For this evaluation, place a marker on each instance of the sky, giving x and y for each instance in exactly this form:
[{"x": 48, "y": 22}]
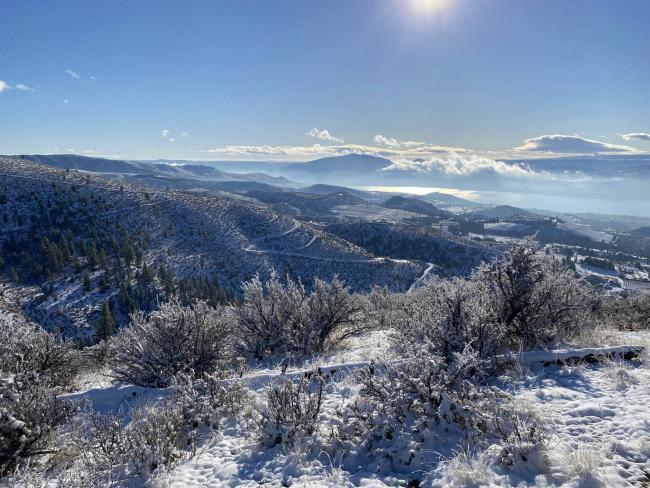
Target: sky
[{"x": 299, "y": 79}]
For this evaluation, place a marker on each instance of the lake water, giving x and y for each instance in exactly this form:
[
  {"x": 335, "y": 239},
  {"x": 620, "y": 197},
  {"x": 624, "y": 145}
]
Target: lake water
[{"x": 602, "y": 204}]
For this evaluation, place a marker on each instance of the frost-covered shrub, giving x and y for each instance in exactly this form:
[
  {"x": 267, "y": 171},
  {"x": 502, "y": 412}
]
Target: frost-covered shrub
[
  {"x": 523, "y": 300},
  {"x": 285, "y": 318},
  {"x": 174, "y": 339},
  {"x": 156, "y": 436},
  {"x": 532, "y": 300},
  {"x": 34, "y": 368},
  {"x": 393, "y": 394},
  {"x": 208, "y": 399},
  {"x": 405, "y": 409},
  {"x": 292, "y": 409},
  {"x": 29, "y": 413},
  {"x": 627, "y": 313},
  {"x": 442, "y": 318},
  {"x": 25, "y": 347},
  {"x": 380, "y": 307}
]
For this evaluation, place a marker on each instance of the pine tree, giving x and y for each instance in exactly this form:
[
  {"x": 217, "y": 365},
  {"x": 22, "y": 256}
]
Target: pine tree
[
  {"x": 106, "y": 325},
  {"x": 86, "y": 283}
]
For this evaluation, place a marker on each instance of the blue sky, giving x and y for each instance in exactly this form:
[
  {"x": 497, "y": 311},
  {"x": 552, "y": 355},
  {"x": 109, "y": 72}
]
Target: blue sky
[{"x": 245, "y": 79}]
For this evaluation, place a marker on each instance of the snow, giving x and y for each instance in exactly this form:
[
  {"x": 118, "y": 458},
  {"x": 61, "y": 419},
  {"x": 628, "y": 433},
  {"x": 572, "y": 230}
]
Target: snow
[
  {"x": 597, "y": 416},
  {"x": 505, "y": 226}
]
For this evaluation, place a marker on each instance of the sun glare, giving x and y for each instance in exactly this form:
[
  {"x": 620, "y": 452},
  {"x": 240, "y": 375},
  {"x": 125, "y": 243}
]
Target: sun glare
[{"x": 429, "y": 5}]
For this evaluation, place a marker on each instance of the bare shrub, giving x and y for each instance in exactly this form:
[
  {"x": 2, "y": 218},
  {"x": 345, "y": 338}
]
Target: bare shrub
[
  {"x": 292, "y": 409},
  {"x": 157, "y": 436},
  {"x": 533, "y": 300},
  {"x": 409, "y": 402},
  {"x": 285, "y": 318},
  {"x": 441, "y": 318},
  {"x": 30, "y": 411},
  {"x": 34, "y": 368},
  {"x": 26, "y": 347},
  {"x": 627, "y": 312},
  {"x": 380, "y": 307},
  {"x": 208, "y": 399},
  {"x": 196, "y": 339}
]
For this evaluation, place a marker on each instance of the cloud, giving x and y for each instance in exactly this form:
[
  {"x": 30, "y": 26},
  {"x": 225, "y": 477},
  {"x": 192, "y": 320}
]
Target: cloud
[
  {"x": 65, "y": 101},
  {"x": 386, "y": 141},
  {"x": 73, "y": 74},
  {"x": 564, "y": 144},
  {"x": 5, "y": 86},
  {"x": 642, "y": 136},
  {"x": 323, "y": 135},
  {"x": 184, "y": 134},
  {"x": 463, "y": 165},
  {"x": 167, "y": 134}
]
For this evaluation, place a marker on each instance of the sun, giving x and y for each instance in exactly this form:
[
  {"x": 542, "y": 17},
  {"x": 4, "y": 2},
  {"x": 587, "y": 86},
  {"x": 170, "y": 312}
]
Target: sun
[{"x": 429, "y": 5}]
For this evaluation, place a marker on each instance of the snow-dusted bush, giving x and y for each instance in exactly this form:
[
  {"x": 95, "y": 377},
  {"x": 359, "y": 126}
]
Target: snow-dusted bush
[
  {"x": 34, "y": 369},
  {"x": 380, "y": 306},
  {"x": 285, "y": 318},
  {"x": 207, "y": 400},
  {"x": 405, "y": 408},
  {"x": 156, "y": 436},
  {"x": 531, "y": 299},
  {"x": 627, "y": 313},
  {"x": 391, "y": 394},
  {"x": 25, "y": 347},
  {"x": 30, "y": 411},
  {"x": 442, "y": 318},
  {"x": 174, "y": 339},
  {"x": 292, "y": 409}
]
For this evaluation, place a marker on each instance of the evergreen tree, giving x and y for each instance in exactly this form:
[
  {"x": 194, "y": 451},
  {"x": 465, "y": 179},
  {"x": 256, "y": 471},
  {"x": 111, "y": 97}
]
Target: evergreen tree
[
  {"x": 86, "y": 283},
  {"x": 106, "y": 325}
]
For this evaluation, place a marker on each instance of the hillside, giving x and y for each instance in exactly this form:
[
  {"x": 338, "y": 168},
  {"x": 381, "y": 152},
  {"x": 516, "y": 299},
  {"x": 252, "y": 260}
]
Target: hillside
[
  {"x": 128, "y": 169},
  {"x": 72, "y": 241},
  {"x": 415, "y": 205}
]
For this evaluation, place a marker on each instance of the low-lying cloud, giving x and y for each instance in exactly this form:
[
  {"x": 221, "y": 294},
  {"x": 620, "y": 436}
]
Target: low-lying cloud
[
  {"x": 565, "y": 144},
  {"x": 463, "y": 165},
  {"x": 641, "y": 136}
]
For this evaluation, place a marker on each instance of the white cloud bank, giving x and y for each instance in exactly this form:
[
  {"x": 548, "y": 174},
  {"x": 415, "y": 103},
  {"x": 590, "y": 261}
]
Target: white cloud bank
[
  {"x": 464, "y": 165},
  {"x": 566, "y": 144},
  {"x": 641, "y": 136},
  {"x": 323, "y": 135}
]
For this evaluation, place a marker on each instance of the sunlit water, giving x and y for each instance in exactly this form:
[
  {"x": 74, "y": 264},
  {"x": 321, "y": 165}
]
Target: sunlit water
[{"x": 602, "y": 204}]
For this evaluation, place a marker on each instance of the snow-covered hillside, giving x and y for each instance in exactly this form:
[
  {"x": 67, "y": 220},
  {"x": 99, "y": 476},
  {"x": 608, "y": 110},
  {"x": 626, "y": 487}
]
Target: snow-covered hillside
[{"x": 227, "y": 239}]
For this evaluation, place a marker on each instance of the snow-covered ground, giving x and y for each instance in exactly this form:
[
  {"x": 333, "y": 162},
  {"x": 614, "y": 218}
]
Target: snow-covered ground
[
  {"x": 596, "y": 417},
  {"x": 505, "y": 226},
  {"x": 373, "y": 212}
]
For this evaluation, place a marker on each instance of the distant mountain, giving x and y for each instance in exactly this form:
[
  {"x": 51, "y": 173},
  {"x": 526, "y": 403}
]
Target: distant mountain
[
  {"x": 502, "y": 212},
  {"x": 445, "y": 199},
  {"x": 141, "y": 169},
  {"x": 85, "y": 163},
  {"x": 352, "y": 169},
  {"x": 415, "y": 205},
  {"x": 308, "y": 204},
  {"x": 321, "y": 189}
]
